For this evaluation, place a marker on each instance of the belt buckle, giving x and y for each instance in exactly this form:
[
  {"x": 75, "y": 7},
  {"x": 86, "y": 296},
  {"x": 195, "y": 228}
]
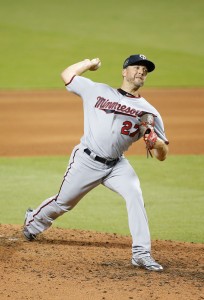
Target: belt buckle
[{"x": 92, "y": 155}]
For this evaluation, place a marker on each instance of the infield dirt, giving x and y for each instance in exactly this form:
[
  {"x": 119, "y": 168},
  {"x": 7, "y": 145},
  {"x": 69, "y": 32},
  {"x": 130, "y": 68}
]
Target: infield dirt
[
  {"x": 82, "y": 265},
  {"x": 51, "y": 122}
]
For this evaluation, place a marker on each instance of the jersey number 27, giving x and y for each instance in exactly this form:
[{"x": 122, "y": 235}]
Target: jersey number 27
[{"x": 127, "y": 128}]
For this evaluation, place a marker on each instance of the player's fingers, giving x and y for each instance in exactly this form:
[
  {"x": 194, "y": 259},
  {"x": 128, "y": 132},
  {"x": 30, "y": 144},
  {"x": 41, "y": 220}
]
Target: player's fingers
[{"x": 95, "y": 61}]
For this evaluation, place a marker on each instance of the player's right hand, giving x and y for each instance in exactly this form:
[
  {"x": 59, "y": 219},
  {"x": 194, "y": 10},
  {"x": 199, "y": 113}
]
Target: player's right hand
[{"x": 95, "y": 64}]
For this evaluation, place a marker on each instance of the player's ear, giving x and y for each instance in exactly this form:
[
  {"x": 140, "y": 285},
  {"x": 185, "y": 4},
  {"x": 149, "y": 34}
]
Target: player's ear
[{"x": 124, "y": 72}]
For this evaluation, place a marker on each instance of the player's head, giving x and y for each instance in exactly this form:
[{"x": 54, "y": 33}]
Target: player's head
[
  {"x": 135, "y": 70},
  {"x": 139, "y": 60}
]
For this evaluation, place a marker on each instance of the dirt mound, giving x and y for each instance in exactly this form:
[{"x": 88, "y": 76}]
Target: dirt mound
[{"x": 75, "y": 264}]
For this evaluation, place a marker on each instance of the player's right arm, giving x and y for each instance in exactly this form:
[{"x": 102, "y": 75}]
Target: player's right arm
[{"x": 79, "y": 68}]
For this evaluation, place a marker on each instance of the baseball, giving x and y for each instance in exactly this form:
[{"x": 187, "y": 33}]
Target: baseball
[{"x": 96, "y": 64}]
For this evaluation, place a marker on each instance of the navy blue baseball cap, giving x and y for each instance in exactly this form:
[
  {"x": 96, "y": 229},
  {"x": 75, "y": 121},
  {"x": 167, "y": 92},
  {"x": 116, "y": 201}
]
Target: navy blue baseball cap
[{"x": 139, "y": 59}]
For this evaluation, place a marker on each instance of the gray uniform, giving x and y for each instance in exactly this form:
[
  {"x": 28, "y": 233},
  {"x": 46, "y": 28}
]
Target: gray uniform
[{"x": 111, "y": 119}]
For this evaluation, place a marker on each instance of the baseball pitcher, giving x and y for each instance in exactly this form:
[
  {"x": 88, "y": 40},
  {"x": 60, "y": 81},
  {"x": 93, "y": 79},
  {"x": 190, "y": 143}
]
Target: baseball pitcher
[{"x": 113, "y": 120}]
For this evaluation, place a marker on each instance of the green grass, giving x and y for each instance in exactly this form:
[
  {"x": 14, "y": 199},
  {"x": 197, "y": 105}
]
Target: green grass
[
  {"x": 40, "y": 38},
  {"x": 173, "y": 192}
]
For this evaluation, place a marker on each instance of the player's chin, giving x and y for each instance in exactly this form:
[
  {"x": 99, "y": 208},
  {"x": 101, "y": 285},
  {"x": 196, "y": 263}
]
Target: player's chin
[{"x": 139, "y": 83}]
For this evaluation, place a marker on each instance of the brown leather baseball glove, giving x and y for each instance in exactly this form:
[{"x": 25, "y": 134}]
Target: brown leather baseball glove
[{"x": 147, "y": 131}]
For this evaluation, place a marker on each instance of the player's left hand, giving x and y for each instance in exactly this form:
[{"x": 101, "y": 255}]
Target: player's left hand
[{"x": 150, "y": 138}]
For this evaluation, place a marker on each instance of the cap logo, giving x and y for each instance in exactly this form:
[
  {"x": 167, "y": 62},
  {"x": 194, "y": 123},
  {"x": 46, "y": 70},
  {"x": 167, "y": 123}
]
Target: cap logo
[{"x": 142, "y": 56}]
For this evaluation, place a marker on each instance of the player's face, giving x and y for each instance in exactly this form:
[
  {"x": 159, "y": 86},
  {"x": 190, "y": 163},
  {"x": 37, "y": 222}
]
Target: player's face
[{"x": 135, "y": 75}]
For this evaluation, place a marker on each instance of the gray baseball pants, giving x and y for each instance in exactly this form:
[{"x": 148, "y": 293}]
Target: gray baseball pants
[{"x": 82, "y": 175}]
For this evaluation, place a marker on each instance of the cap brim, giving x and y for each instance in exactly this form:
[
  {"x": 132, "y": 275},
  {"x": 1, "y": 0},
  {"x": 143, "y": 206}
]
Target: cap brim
[{"x": 144, "y": 62}]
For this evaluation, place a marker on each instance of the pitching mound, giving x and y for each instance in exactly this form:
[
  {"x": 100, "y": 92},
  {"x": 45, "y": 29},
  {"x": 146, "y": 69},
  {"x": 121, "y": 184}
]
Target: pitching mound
[{"x": 74, "y": 264}]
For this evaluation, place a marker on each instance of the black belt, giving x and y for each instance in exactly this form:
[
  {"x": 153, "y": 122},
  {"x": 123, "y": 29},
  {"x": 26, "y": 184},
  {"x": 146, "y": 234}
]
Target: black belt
[{"x": 102, "y": 160}]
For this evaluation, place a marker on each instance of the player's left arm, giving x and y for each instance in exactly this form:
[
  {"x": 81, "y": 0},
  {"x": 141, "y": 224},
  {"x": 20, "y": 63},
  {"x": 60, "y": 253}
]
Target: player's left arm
[
  {"x": 160, "y": 149},
  {"x": 152, "y": 129}
]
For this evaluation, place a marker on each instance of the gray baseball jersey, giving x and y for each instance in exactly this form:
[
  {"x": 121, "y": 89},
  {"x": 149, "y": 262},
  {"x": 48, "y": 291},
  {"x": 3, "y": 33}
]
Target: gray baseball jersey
[{"x": 111, "y": 117}]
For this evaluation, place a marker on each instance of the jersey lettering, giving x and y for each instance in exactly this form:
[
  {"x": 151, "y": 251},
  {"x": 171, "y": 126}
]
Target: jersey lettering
[{"x": 115, "y": 107}]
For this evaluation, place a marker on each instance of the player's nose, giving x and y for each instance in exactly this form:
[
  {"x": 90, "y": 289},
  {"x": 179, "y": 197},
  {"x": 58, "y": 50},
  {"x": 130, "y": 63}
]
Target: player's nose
[{"x": 140, "y": 70}]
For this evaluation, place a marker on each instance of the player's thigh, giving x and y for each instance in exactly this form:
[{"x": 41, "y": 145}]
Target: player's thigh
[
  {"x": 81, "y": 176},
  {"x": 123, "y": 180}
]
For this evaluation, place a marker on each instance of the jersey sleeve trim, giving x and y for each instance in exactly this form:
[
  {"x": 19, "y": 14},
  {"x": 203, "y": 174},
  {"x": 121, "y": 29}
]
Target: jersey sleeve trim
[{"x": 70, "y": 80}]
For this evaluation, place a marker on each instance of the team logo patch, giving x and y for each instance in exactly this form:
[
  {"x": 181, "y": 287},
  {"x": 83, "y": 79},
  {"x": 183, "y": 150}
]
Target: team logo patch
[{"x": 142, "y": 56}]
